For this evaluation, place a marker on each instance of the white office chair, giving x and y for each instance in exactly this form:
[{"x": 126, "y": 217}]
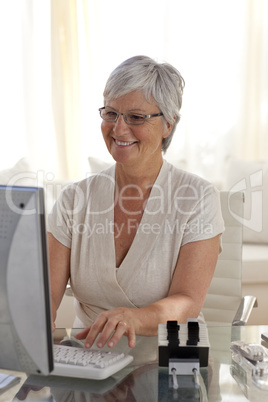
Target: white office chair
[{"x": 224, "y": 302}]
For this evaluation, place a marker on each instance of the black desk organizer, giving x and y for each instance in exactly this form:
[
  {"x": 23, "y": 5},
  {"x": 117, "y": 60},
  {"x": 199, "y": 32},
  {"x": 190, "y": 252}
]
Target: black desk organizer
[{"x": 184, "y": 341}]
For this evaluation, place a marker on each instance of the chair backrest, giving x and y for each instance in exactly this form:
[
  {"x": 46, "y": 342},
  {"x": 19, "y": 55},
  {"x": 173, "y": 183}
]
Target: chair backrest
[{"x": 225, "y": 292}]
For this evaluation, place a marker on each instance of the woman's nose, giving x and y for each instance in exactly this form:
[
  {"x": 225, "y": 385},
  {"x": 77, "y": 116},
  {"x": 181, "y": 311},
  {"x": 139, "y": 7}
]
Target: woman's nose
[{"x": 120, "y": 125}]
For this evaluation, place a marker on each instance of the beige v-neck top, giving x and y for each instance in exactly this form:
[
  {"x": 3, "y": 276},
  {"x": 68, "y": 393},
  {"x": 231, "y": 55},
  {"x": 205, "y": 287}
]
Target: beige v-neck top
[{"x": 182, "y": 208}]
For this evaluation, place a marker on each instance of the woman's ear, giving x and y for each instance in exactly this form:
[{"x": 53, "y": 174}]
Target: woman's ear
[{"x": 169, "y": 127}]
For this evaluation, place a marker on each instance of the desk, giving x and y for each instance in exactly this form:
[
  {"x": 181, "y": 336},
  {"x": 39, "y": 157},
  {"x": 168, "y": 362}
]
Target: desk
[{"x": 146, "y": 382}]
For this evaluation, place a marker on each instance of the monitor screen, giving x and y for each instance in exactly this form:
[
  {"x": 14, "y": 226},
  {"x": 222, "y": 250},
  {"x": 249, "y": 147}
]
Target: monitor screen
[{"x": 25, "y": 319}]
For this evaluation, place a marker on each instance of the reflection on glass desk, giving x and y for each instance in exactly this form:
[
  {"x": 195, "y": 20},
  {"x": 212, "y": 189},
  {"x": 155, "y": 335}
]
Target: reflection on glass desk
[{"x": 144, "y": 381}]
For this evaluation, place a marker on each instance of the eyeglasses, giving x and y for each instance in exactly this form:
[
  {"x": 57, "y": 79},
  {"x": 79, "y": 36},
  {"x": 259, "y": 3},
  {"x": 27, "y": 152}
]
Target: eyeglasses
[{"x": 129, "y": 118}]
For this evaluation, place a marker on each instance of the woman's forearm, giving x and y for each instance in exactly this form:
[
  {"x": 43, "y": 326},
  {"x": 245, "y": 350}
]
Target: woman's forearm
[{"x": 172, "y": 308}]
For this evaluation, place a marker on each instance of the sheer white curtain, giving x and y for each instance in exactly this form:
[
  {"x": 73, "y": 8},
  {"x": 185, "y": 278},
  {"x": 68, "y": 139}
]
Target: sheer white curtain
[
  {"x": 71, "y": 46},
  {"x": 26, "y": 124},
  {"x": 66, "y": 86},
  {"x": 252, "y": 127}
]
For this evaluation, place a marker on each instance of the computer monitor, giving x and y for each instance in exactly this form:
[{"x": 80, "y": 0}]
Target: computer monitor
[{"x": 25, "y": 319}]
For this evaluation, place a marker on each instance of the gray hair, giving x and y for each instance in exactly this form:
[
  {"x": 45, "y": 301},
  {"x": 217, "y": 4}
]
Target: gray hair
[{"x": 162, "y": 82}]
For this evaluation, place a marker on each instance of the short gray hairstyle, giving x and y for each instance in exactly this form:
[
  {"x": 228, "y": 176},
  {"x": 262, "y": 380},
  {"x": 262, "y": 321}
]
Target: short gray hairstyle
[{"x": 160, "y": 81}]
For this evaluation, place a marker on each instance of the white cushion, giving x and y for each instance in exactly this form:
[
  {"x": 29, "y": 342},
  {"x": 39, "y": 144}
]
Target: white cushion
[
  {"x": 178, "y": 163},
  {"x": 20, "y": 174},
  {"x": 252, "y": 178},
  {"x": 96, "y": 165}
]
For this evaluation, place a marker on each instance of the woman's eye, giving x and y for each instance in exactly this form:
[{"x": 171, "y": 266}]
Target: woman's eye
[
  {"x": 135, "y": 117},
  {"x": 111, "y": 114}
]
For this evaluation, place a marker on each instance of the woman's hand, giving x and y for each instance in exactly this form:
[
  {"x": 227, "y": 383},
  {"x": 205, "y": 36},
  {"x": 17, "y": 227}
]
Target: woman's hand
[{"x": 111, "y": 325}]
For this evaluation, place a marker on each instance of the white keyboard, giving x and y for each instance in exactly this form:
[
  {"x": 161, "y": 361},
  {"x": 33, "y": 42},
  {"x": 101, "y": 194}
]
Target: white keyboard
[{"x": 78, "y": 362}]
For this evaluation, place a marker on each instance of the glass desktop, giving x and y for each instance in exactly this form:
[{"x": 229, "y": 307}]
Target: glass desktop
[{"x": 145, "y": 381}]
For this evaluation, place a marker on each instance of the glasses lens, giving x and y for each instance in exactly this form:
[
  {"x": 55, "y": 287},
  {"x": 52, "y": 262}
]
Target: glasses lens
[
  {"x": 134, "y": 118},
  {"x": 108, "y": 115}
]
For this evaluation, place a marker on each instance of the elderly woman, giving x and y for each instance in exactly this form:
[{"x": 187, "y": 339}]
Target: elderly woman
[{"x": 139, "y": 241}]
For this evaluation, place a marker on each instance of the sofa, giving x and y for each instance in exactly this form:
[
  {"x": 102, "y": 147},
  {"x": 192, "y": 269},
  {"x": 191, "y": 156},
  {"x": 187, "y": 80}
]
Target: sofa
[{"x": 238, "y": 175}]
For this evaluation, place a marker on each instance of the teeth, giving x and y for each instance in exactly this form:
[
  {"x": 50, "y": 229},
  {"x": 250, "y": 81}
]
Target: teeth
[{"x": 124, "y": 143}]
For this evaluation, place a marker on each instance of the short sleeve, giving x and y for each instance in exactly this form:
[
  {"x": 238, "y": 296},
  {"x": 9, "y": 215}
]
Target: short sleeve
[
  {"x": 205, "y": 220},
  {"x": 60, "y": 218}
]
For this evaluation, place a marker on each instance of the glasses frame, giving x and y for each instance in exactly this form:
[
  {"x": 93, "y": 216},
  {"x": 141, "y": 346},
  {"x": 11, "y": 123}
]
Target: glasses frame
[{"x": 145, "y": 116}]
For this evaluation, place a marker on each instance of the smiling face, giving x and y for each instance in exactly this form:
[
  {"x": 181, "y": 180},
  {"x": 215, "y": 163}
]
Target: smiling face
[{"x": 135, "y": 144}]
